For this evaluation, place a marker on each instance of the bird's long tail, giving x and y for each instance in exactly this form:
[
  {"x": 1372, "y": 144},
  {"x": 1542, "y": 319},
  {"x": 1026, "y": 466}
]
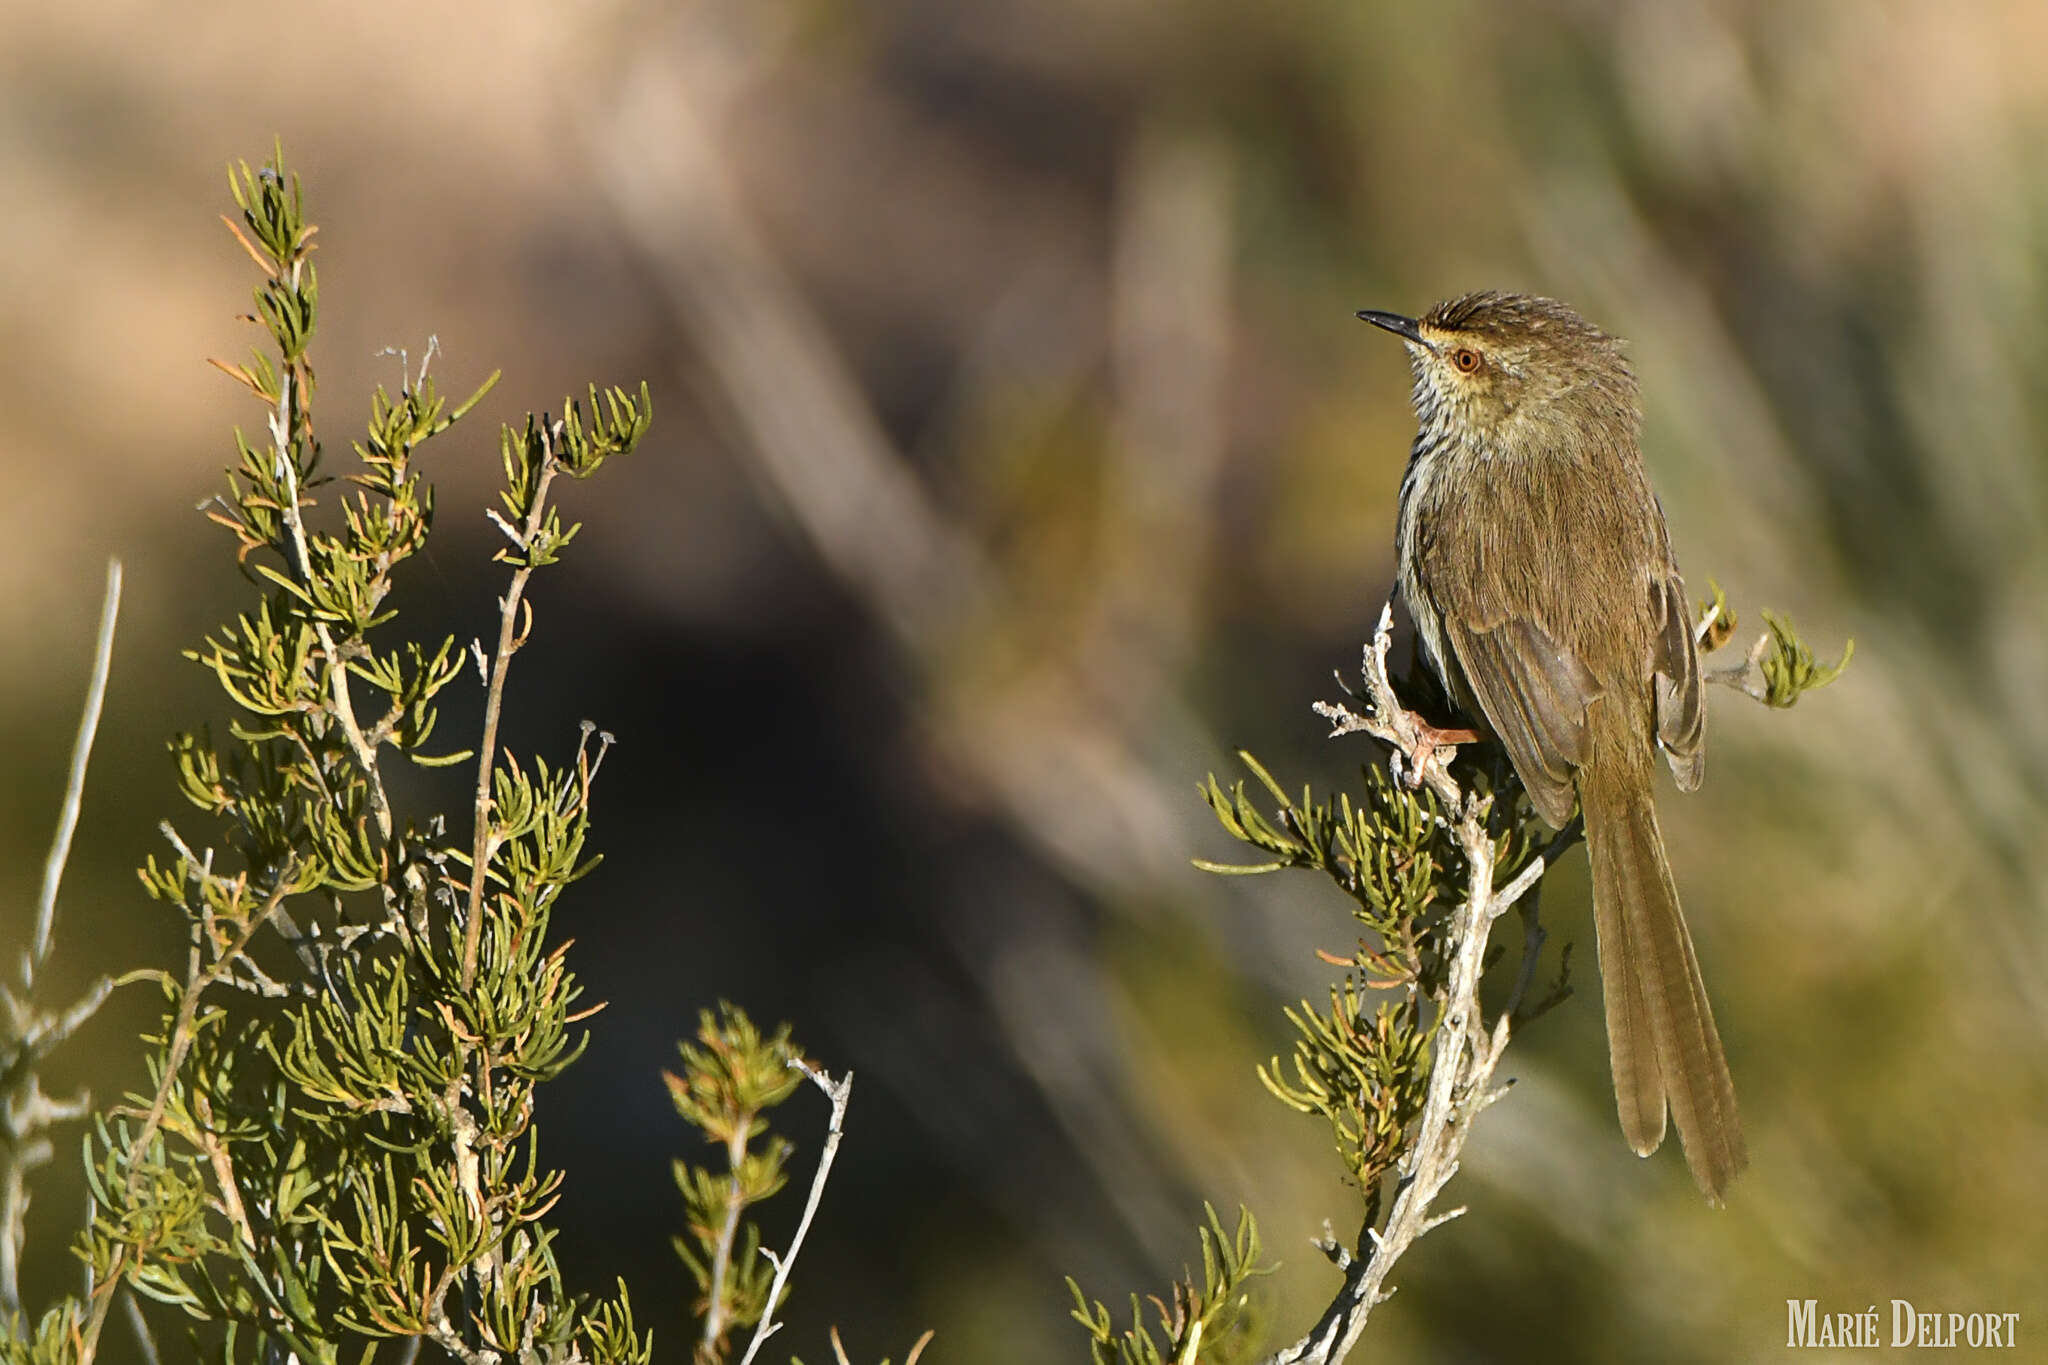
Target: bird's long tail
[{"x": 1660, "y": 1029}]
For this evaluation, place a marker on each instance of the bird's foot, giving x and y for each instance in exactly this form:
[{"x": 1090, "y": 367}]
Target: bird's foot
[{"x": 1427, "y": 740}]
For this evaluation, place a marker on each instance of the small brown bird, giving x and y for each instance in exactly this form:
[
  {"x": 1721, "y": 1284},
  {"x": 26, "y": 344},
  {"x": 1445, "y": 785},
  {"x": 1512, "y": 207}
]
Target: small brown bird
[{"x": 1534, "y": 558}]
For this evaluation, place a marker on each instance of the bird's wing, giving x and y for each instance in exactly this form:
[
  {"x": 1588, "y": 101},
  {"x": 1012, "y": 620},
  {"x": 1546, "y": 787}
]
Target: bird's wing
[
  {"x": 1680, "y": 696},
  {"x": 1534, "y": 692},
  {"x": 1681, "y": 705}
]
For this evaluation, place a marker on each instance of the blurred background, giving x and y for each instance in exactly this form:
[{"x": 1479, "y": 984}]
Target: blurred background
[{"x": 1017, "y": 458}]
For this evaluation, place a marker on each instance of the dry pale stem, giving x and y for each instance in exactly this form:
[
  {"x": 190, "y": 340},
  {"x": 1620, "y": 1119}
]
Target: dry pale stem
[
  {"x": 1464, "y": 1051},
  {"x": 838, "y": 1091}
]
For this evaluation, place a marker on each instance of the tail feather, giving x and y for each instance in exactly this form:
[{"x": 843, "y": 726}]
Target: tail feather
[
  {"x": 1631, "y": 1036},
  {"x": 1660, "y": 1028}
]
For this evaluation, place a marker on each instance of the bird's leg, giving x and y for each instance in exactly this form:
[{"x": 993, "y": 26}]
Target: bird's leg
[{"x": 1427, "y": 739}]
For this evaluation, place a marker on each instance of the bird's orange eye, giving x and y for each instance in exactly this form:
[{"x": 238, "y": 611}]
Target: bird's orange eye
[{"x": 1465, "y": 359}]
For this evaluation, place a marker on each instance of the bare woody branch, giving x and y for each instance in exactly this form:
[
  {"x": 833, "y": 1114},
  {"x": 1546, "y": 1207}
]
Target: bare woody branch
[
  {"x": 838, "y": 1092},
  {"x": 1465, "y": 1050},
  {"x": 28, "y": 1031}
]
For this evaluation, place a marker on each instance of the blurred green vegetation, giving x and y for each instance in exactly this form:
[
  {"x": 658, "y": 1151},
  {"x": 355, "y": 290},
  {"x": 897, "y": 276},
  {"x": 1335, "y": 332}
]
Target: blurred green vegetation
[{"x": 1020, "y": 459}]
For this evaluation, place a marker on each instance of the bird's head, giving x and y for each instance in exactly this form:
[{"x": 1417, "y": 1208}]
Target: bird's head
[{"x": 1502, "y": 370}]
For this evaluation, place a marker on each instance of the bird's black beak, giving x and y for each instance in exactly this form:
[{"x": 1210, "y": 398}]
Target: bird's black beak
[{"x": 1401, "y": 327}]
